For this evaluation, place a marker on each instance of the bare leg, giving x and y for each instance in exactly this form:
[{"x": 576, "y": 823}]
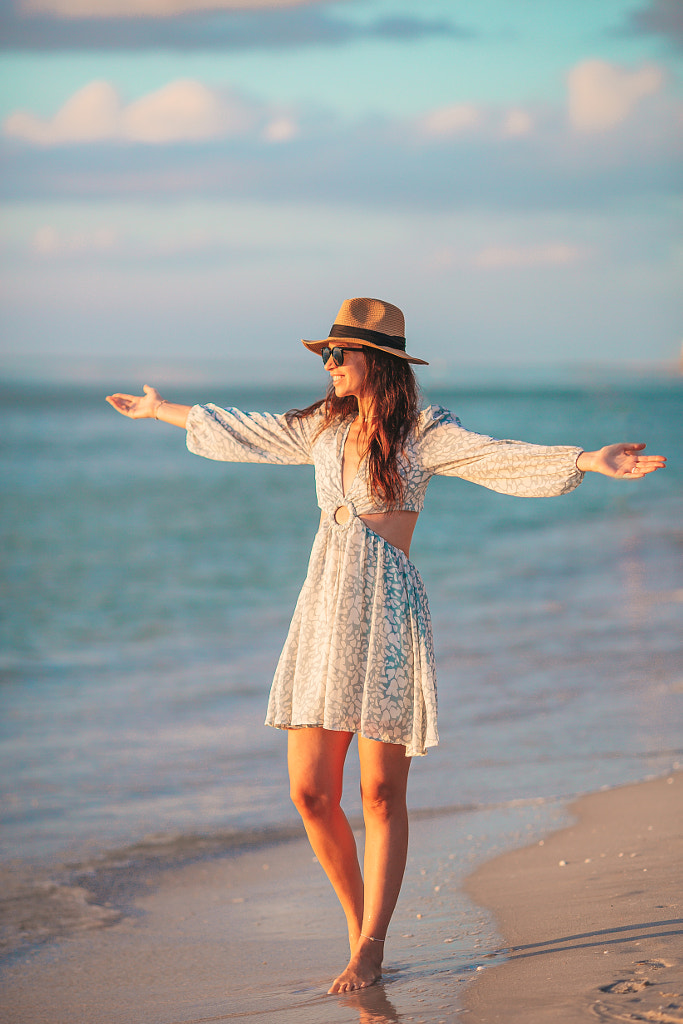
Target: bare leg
[
  {"x": 384, "y": 778},
  {"x": 316, "y": 765}
]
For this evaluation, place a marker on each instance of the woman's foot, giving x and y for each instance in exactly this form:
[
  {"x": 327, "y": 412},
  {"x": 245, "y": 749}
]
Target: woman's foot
[{"x": 363, "y": 969}]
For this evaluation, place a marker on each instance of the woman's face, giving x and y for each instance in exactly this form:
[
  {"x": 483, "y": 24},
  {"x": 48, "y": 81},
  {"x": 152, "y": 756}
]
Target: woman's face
[{"x": 349, "y": 378}]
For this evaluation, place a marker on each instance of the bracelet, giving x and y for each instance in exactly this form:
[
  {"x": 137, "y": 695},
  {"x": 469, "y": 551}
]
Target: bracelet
[
  {"x": 371, "y": 937},
  {"x": 164, "y": 401}
]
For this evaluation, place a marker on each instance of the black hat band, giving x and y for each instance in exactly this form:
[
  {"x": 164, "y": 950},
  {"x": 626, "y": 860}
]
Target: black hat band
[{"x": 377, "y": 337}]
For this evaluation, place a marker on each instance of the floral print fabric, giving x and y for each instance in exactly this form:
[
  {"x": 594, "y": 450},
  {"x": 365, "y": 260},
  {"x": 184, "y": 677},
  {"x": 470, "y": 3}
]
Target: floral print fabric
[{"x": 359, "y": 654}]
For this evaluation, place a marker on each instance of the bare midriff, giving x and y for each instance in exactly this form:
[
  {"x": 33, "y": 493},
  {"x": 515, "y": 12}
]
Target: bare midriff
[{"x": 394, "y": 527}]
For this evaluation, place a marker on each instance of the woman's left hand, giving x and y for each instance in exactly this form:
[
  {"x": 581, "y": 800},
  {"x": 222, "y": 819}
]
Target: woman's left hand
[{"x": 622, "y": 461}]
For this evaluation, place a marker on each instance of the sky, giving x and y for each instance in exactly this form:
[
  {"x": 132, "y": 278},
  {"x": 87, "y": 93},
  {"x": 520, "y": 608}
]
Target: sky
[{"x": 200, "y": 183}]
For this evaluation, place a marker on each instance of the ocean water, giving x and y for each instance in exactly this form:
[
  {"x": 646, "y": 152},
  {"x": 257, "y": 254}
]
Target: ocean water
[{"x": 146, "y": 593}]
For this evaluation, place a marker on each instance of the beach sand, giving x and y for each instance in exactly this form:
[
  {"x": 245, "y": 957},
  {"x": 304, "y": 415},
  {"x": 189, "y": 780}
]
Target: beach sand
[
  {"x": 593, "y": 917},
  {"x": 258, "y": 936}
]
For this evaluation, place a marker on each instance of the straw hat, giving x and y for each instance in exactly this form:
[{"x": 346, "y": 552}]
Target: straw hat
[{"x": 370, "y": 322}]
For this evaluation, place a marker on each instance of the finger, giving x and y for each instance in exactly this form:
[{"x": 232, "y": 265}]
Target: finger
[
  {"x": 642, "y": 469},
  {"x": 632, "y": 447},
  {"x": 651, "y": 461}
]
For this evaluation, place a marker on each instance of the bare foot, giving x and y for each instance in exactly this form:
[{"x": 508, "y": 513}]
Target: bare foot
[{"x": 363, "y": 969}]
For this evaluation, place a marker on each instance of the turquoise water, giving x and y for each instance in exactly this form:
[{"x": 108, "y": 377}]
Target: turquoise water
[{"x": 146, "y": 594}]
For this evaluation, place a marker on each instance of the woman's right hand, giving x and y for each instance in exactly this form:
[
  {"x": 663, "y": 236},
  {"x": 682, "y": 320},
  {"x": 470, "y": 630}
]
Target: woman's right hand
[{"x": 137, "y": 407}]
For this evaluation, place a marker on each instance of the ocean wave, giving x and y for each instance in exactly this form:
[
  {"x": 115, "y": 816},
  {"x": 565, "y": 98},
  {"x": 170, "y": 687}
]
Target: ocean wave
[{"x": 41, "y": 903}]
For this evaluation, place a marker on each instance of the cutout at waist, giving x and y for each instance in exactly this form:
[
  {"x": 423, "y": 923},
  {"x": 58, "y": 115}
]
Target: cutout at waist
[{"x": 394, "y": 527}]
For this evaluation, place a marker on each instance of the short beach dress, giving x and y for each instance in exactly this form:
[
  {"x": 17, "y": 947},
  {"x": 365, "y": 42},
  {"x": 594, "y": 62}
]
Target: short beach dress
[{"x": 359, "y": 655}]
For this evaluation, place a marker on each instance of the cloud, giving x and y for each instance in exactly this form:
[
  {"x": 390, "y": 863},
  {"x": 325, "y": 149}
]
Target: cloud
[
  {"x": 91, "y": 115},
  {"x": 659, "y": 17},
  {"x": 549, "y": 254},
  {"x": 188, "y": 111},
  {"x": 281, "y": 129},
  {"x": 214, "y": 25},
  {"x": 457, "y": 119},
  {"x": 48, "y": 242},
  {"x": 194, "y": 141},
  {"x": 182, "y": 111},
  {"x": 506, "y": 257},
  {"x": 145, "y": 8},
  {"x": 602, "y": 95},
  {"x": 451, "y": 120},
  {"x": 122, "y": 245},
  {"x": 518, "y": 122}
]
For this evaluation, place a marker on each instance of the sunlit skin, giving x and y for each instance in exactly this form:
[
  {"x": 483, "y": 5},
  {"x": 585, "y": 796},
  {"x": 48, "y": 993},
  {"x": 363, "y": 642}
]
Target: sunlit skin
[{"x": 316, "y": 756}]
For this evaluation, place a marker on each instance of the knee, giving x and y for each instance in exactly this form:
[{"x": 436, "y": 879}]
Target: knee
[
  {"x": 383, "y": 801},
  {"x": 311, "y": 802}
]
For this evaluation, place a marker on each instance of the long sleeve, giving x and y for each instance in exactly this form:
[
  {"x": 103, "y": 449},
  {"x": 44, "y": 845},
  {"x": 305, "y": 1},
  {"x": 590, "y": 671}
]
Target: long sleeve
[
  {"x": 230, "y": 435},
  {"x": 511, "y": 467}
]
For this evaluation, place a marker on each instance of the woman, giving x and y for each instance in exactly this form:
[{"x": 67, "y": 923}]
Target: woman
[{"x": 358, "y": 659}]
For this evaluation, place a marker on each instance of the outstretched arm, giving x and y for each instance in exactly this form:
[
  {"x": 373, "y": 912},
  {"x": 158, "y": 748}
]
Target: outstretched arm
[
  {"x": 150, "y": 406},
  {"x": 228, "y": 435},
  {"x": 620, "y": 461}
]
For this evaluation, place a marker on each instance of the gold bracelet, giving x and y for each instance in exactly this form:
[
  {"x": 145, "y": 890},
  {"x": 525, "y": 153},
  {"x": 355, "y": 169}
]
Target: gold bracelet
[{"x": 164, "y": 401}]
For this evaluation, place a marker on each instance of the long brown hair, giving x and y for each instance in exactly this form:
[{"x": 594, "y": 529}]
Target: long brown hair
[{"x": 395, "y": 396}]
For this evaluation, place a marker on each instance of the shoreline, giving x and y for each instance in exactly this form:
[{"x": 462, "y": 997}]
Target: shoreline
[
  {"x": 592, "y": 916},
  {"x": 101, "y": 888},
  {"x": 258, "y": 935}
]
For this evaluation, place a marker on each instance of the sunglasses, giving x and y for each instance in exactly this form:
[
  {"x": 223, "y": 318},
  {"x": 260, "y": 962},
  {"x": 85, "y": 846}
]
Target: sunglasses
[{"x": 337, "y": 353}]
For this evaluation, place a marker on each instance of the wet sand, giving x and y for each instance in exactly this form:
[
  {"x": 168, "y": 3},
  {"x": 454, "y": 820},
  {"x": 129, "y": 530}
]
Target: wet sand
[
  {"x": 258, "y": 936},
  {"x": 593, "y": 917}
]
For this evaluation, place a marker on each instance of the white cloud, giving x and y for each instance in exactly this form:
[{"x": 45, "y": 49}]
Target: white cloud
[
  {"x": 451, "y": 120},
  {"x": 460, "y": 118},
  {"x": 182, "y": 111},
  {"x": 281, "y": 129},
  {"x": 495, "y": 257},
  {"x": 145, "y": 8},
  {"x": 518, "y": 122},
  {"x": 551, "y": 253},
  {"x": 90, "y": 115},
  {"x": 47, "y": 241},
  {"x": 602, "y": 95}
]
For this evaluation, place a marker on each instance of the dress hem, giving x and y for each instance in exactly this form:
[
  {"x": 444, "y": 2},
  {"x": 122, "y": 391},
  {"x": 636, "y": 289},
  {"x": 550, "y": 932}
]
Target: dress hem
[{"x": 410, "y": 750}]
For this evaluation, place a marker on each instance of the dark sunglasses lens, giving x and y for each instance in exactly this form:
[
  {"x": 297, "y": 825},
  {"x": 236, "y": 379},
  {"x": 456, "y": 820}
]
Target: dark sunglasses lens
[{"x": 336, "y": 353}]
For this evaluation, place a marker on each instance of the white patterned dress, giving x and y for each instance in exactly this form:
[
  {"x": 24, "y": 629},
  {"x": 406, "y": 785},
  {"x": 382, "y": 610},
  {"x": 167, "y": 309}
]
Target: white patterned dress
[{"x": 359, "y": 655}]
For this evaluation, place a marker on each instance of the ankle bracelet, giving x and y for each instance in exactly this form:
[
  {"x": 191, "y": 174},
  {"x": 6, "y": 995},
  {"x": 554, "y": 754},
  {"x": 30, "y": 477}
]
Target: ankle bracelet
[{"x": 371, "y": 937}]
